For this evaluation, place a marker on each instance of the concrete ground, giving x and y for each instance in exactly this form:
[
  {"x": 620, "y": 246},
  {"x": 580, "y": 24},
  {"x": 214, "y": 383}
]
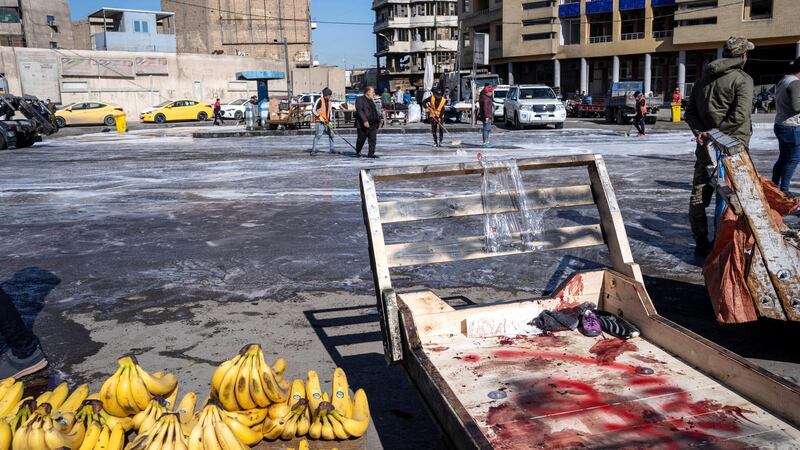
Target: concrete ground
[{"x": 182, "y": 251}]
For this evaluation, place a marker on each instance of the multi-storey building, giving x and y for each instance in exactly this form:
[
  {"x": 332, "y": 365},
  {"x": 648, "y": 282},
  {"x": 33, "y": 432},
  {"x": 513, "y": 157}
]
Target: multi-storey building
[
  {"x": 35, "y": 23},
  {"x": 234, "y": 27},
  {"x": 408, "y": 30},
  {"x": 127, "y": 30},
  {"x": 582, "y": 45}
]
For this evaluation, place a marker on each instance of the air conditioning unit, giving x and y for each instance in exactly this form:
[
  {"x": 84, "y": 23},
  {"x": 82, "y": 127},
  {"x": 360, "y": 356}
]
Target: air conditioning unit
[{"x": 51, "y": 21}]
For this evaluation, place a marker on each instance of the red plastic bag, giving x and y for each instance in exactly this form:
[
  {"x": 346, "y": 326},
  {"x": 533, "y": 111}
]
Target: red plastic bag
[{"x": 725, "y": 268}]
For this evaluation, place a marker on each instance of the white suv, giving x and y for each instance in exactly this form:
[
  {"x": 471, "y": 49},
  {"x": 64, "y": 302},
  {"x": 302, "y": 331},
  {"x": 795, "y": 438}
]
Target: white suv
[
  {"x": 500, "y": 93},
  {"x": 533, "y": 104}
]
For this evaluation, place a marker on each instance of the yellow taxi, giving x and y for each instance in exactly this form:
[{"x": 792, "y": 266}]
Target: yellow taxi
[
  {"x": 171, "y": 110},
  {"x": 87, "y": 113}
]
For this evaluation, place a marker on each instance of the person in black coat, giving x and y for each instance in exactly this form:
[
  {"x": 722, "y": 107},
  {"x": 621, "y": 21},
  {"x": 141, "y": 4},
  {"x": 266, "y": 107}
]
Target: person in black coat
[{"x": 367, "y": 121}]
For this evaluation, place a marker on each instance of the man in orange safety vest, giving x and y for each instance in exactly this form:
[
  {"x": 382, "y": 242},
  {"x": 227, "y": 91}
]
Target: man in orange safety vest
[{"x": 322, "y": 118}]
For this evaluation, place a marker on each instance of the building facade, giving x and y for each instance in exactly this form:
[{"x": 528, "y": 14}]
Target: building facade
[
  {"x": 129, "y": 30},
  {"x": 264, "y": 29},
  {"x": 406, "y": 31},
  {"x": 35, "y": 23},
  {"x": 583, "y": 45}
]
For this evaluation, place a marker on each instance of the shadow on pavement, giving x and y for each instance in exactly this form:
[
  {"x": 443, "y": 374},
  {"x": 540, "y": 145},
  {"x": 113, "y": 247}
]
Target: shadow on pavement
[{"x": 399, "y": 415}]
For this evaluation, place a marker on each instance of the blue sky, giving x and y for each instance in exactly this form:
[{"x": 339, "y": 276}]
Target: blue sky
[{"x": 352, "y": 45}]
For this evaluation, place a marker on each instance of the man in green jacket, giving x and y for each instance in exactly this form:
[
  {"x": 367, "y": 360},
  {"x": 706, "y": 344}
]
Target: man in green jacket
[{"x": 722, "y": 99}]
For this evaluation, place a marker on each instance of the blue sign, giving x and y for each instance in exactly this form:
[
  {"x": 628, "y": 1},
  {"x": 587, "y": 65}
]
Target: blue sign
[
  {"x": 569, "y": 10},
  {"x": 599, "y": 6},
  {"x": 627, "y": 5}
]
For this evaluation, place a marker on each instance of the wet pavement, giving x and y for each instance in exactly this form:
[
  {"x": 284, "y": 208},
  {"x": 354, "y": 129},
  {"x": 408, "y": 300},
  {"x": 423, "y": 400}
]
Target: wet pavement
[{"x": 184, "y": 250}]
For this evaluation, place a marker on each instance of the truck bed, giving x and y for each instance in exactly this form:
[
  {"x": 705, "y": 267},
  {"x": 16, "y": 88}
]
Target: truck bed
[{"x": 565, "y": 390}]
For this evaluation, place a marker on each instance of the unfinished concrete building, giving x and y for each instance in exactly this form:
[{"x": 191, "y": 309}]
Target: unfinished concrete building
[
  {"x": 35, "y": 23},
  {"x": 238, "y": 27}
]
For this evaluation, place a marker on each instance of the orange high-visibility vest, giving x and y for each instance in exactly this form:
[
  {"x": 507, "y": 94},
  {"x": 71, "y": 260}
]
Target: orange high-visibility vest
[
  {"x": 435, "y": 110},
  {"x": 324, "y": 111}
]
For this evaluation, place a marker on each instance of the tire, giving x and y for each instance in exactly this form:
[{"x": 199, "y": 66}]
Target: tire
[
  {"x": 559, "y": 125},
  {"x": 238, "y": 115},
  {"x": 109, "y": 121},
  {"x": 517, "y": 125},
  {"x": 202, "y": 116},
  {"x": 651, "y": 120},
  {"x": 620, "y": 117},
  {"x": 3, "y": 143},
  {"x": 609, "y": 116},
  {"x": 506, "y": 122},
  {"x": 60, "y": 122},
  {"x": 160, "y": 118}
]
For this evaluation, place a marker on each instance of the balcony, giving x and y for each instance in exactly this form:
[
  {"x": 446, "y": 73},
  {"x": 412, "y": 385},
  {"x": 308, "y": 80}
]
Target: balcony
[
  {"x": 628, "y": 5},
  {"x": 658, "y": 3},
  {"x": 414, "y": 22},
  {"x": 433, "y": 46},
  {"x": 599, "y": 6},
  {"x": 662, "y": 34},
  {"x": 569, "y": 10},
  {"x": 599, "y": 39},
  {"x": 632, "y": 36}
]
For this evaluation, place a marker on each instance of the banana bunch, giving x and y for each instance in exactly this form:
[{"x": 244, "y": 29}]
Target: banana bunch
[
  {"x": 248, "y": 382},
  {"x": 91, "y": 410},
  {"x": 24, "y": 411},
  {"x": 185, "y": 411},
  {"x": 101, "y": 437},
  {"x": 288, "y": 419},
  {"x": 217, "y": 429},
  {"x": 166, "y": 434},
  {"x": 341, "y": 417},
  {"x": 147, "y": 418},
  {"x": 131, "y": 388},
  {"x": 45, "y": 432},
  {"x": 10, "y": 395}
]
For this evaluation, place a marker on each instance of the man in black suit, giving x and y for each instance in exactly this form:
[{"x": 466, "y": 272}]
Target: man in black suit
[{"x": 367, "y": 121}]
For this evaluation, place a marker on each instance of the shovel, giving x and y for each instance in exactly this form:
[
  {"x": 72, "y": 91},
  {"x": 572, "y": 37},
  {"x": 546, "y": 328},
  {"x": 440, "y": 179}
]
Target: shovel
[{"x": 454, "y": 143}]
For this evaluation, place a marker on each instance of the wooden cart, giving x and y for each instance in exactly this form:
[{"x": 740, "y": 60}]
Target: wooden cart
[{"x": 668, "y": 388}]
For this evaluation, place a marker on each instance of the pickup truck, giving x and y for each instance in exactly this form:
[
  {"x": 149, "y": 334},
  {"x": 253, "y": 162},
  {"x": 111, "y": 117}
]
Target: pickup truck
[{"x": 620, "y": 104}]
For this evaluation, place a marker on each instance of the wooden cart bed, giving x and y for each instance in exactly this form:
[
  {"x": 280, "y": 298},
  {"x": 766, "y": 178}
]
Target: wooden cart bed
[{"x": 668, "y": 388}]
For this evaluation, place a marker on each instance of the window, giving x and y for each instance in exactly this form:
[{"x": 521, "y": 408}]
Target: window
[
  {"x": 9, "y": 15},
  {"x": 136, "y": 27},
  {"x": 51, "y": 21},
  {"x": 542, "y": 21},
  {"x": 531, "y": 93},
  {"x": 53, "y": 44},
  {"x": 698, "y": 4},
  {"x": 537, "y": 36},
  {"x": 93, "y": 105},
  {"x": 498, "y": 33},
  {"x": 570, "y": 31},
  {"x": 703, "y": 21},
  {"x": 144, "y": 27},
  {"x": 757, "y": 9},
  {"x": 534, "y": 5}
]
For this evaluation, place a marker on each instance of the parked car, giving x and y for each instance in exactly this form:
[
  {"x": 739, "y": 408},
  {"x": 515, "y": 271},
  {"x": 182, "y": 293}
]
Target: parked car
[
  {"x": 533, "y": 104},
  {"x": 234, "y": 109},
  {"x": 500, "y": 93},
  {"x": 87, "y": 113},
  {"x": 173, "y": 110}
]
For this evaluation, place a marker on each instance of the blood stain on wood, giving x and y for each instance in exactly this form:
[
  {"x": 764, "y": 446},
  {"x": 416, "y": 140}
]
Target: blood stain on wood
[
  {"x": 471, "y": 358},
  {"x": 568, "y": 296},
  {"x": 607, "y": 350},
  {"x": 438, "y": 348}
]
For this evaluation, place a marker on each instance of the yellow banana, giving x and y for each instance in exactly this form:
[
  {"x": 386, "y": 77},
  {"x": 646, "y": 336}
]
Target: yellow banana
[
  {"x": 104, "y": 438},
  {"x": 172, "y": 398},
  {"x": 340, "y": 397},
  {"x": 58, "y": 396},
  {"x": 360, "y": 406},
  {"x": 290, "y": 428},
  {"x": 36, "y": 436},
  {"x": 186, "y": 407},
  {"x": 242, "y": 432},
  {"x": 297, "y": 391},
  {"x": 195, "y": 441},
  {"x": 210, "y": 440},
  {"x": 219, "y": 374},
  {"x": 123, "y": 391},
  {"x": 73, "y": 402},
  {"x": 278, "y": 410},
  {"x": 20, "y": 439},
  {"x": 12, "y": 398},
  {"x": 5, "y": 384},
  {"x": 117, "y": 438},
  {"x": 257, "y": 393},
  {"x": 56, "y": 438},
  {"x": 108, "y": 395},
  {"x": 158, "y": 385},
  {"x": 249, "y": 418},
  {"x": 338, "y": 428},
  {"x": 5, "y": 435},
  {"x": 226, "y": 438},
  {"x": 327, "y": 429},
  {"x": 242, "y": 387},
  {"x": 313, "y": 390},
  {"x": 303, "y": 445},
  {"x": 139, "y": 395},
  {"x": 273, "y": 429},
  {"x": 125, "y": 422},
  {"x": 227, "y": 394},
  {"x": 279, "y": 368},
  {"x": 91, "y": 437},
  {"x": 43, "y": 397},
  {"x": 303, "y": 423},
  {"x": 275, "y": 391},
  {"x": 315, "y": 430}
]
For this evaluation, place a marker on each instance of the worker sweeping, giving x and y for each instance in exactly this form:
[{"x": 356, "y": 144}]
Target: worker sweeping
[
  {"x": 322, "y": 118},
  {"x": 434, "y": 107}
]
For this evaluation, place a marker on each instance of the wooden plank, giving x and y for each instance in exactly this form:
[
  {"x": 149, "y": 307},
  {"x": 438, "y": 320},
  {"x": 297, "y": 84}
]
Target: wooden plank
[
  {"x": 473, "y": 247},
  {"x": 472, "y": 204},
  {"x": 781, "y": 260},
  {"x": 611, "y": 219},
  {"x": 440, "y": 399},
  {"x": 380, "y": 270},
  {"x": 581, "y": 287},
  {"x": 472, "y": 168},
  {"x": 761, "y": 289},
  {"x": 424, "y": 302},
  {"x": 771, "y": 392}
]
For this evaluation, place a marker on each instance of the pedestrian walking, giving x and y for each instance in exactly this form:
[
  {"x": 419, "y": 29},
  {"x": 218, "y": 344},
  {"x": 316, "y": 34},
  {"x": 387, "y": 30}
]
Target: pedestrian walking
[
  {"x": 367, "y": 123},
  {"x": 641, "y": 113},
  {"x": 434, "y": 106},
  {"x": 50, "y": 106},
  {"x": 486, "y": 112},
  {"x": 322, "y": 118},
  {"x": 24, "y": 355},
  {"x": 218, "y": 119},
  {"x": 722, "y": 99},
  {"x": 787, "y": 126}
]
